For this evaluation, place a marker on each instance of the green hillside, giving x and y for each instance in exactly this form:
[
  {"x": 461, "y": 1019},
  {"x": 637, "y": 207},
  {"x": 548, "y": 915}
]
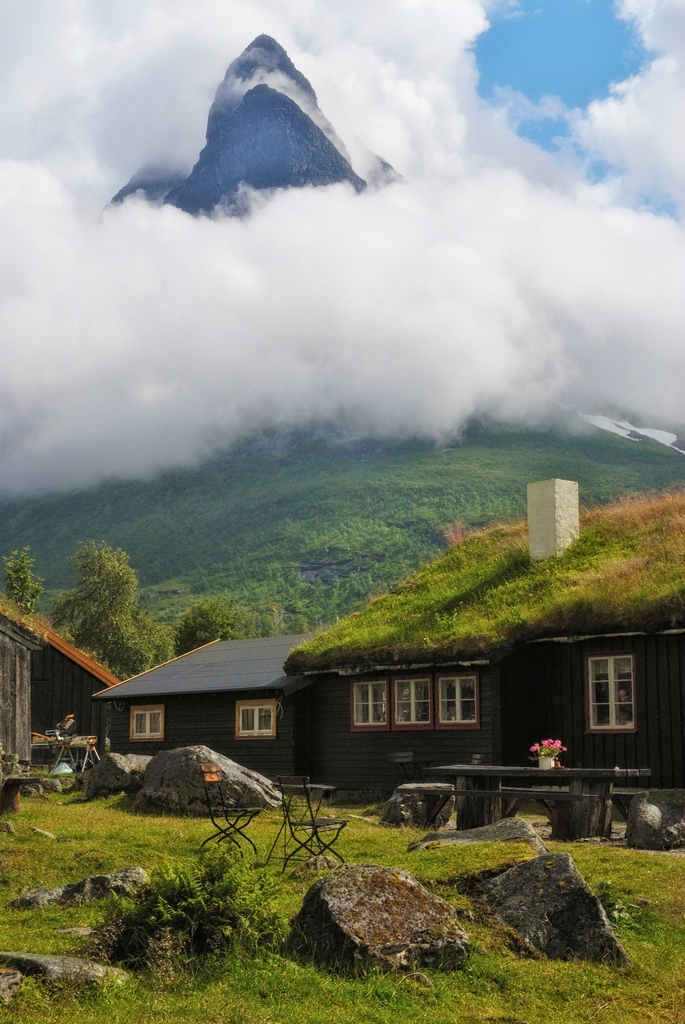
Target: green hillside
[
  {"x": 304, "y": 529},
  {"x": 626, "y": 571}
]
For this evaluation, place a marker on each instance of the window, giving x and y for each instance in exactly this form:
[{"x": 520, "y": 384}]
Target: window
[
  {"x": 370, "y": 705},
  {"x": 611, "y": 693},
  {"x": 147, "y": 723},
  {"x": 255, "y": 719},
  {"x": 412, "y": 702},
  {"x": 458, "y": 702}
]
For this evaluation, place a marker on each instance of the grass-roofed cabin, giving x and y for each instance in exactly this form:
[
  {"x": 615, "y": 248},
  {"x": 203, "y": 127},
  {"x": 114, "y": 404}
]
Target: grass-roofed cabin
[
  {"x": 230, "y": 695},
  {"x": 498, "y": 644}
]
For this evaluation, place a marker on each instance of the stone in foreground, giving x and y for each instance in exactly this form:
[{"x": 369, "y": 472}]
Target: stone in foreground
[
  {"x": 95, "y": 887},
  {"x": 366, "y": 916},
  {"x": 656, "y": 820},
  {"x": 116, "y": 773},
  {"x": 508, "y": 830},
  {"x": 10, "y": 980},
  {"x": 548, "y": 902},
  {"x": 173, "y": 782},
  {"x": 62, "y": 968},
  {"x": 413, "y": 803}
]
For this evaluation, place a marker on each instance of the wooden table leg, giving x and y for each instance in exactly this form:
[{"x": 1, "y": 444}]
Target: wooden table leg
[
  {"x": 591, "y": 817},
  {"x": 10, "y": 797},
  {"x": 478, "y": 811}
]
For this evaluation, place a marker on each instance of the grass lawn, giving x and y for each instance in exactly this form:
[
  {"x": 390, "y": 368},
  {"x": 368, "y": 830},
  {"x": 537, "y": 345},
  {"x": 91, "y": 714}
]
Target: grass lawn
[{"x": 496, "y": 985}]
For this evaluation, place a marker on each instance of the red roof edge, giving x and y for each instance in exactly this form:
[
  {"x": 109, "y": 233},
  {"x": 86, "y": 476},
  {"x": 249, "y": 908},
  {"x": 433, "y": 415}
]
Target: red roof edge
[{"x": 77, "y": 656}]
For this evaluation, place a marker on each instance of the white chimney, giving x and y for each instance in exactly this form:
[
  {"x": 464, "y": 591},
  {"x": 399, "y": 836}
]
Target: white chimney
[{"x": 553, "y": 522}]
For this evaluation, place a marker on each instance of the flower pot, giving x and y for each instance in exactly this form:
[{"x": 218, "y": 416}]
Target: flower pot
[{"x": 545, "y": 762}]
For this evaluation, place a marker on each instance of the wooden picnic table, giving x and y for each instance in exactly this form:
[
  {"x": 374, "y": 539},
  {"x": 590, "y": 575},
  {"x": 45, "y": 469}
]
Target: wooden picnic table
[{"x": 577, "y": 801}]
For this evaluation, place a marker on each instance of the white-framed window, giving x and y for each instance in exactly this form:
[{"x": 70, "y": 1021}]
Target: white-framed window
[
  {"x": 458, "y": 700},
  {"x": 611, "y": 696},
  {"x": 147, "y": 722},
  {"x": 255, "y": 719},
  {"x": 370, "y": 700},
  {"x": 412, "y": 702}
]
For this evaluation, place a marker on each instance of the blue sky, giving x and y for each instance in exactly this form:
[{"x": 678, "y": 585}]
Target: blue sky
[{"x": 572, "y": 49}]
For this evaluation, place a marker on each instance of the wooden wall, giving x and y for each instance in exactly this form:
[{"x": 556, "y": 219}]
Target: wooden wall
[
  {"x": 15, "y": 697},
  {"x": 359, "y": 760},
  {"x": 209, "y": 719},
  {"x": 543, "y": 693},
  {"x": 60, "y": 687}
]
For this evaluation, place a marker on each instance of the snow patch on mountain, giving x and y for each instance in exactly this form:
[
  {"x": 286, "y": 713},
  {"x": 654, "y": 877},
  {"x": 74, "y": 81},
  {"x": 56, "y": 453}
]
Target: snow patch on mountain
[{"x": 633, "y": 433}]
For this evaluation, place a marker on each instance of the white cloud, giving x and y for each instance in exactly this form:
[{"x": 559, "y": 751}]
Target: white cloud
[{"x": 494, "y": 279}]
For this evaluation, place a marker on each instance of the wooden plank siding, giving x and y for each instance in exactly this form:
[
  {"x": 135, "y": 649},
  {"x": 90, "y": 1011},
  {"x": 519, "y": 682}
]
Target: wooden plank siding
[
  {"x": 60, "y": 687},
  {"x": 209, "y": 719},
  {"x": 15, "y": 697},
  {"x": 359, "y": 760},
  {"x": 544, "y": 694}
]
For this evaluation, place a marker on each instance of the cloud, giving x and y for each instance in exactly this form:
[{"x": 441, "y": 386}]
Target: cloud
[{"x": 495, "y": 279}]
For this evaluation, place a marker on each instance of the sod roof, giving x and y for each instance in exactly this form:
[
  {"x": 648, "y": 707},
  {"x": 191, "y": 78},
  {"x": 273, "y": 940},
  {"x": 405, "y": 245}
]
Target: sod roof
[{"x": 625, "y": 573}]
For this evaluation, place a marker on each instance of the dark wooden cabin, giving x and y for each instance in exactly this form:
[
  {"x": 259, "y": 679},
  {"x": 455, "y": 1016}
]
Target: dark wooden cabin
[
  {"x": 230, "y": 695},
  {"x": 43, "y": 678}
]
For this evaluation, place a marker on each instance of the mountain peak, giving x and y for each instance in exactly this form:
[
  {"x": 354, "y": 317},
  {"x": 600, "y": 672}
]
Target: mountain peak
[{"x": 265, "y": 130}]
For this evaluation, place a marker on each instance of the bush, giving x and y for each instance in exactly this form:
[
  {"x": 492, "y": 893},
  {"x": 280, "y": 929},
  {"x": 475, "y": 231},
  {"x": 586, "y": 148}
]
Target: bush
[{"x": 218, "y": 905}]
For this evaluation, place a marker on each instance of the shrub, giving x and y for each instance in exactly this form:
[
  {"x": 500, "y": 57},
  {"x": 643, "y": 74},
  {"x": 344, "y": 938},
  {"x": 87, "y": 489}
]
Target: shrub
[{"x": 217, "y": 905}]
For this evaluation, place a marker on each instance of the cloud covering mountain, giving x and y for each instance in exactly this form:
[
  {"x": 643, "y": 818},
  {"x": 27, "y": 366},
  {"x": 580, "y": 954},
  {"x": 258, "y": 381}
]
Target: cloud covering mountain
[{"x": 495, "y": 277}]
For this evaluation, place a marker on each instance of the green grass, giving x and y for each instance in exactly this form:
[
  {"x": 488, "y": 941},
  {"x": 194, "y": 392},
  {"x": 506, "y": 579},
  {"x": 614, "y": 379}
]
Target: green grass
[
  {"x": 248, "y": 520},
  {"x": 625, "y": 572},
  {"x": 497, "y": 985}
]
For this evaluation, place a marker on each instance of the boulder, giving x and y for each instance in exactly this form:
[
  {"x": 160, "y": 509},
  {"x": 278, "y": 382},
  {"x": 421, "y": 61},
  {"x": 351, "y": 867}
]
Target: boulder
[
  {"x": 364, "y": 916},
  {"x": 508, "y": 830},
  {"x": 10, "y": 980},
  {"x": 61, "y": 968},
  {"x": 95, "y": 887},
  {"x": 7, "y": 826},
  {"x": 51, "y": 785},
  {"x": 656, "y": 820},
  {"x": 548, "y": 902},
  {"x": 173, "y": 782},
  {"x": 31, "y": 789},
  {"x": 413, "y": 803},
  {"x": 116, "y": 773}
]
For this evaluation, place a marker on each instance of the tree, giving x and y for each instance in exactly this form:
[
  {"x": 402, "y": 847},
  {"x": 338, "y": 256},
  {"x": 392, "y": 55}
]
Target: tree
[
  {"x": 215, "y": 618},
  {"x": 20, "y": 584},
  {"x": 102, "y": 614}
]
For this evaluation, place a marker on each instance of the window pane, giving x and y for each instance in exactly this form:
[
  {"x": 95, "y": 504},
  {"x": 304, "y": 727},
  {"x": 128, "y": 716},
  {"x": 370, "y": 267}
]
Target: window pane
[
  {"x": 378, "y": 703},
  {"x": 140, "y": 723},
  {"x": 468, "y": 711},
  {"x": 601, "y": 693},
  {"x": 623, "y": 668},
  {"x": 599, "y": 668},
  {"x": 265, "y": 719},
  {"x": 361, "y": 703},
  {"x": 247, "y": 720},
  {"x": 624, "y": 714},
  {"x": 155, "y": 727},
  {"x": 448, "y": 700},
  {"x": 468, "y": 689},
  {"x": 403, "y": 701},
  {"x": 422, "y": 708},
  {"x": 601, "y": 714}
]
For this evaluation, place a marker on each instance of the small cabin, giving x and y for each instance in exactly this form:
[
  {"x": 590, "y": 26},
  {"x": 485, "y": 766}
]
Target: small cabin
[
  {"x": 230, "y": 695},
  {"x": 44, "y": 678}
]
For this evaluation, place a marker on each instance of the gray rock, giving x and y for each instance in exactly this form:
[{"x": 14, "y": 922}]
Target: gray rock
[
  {"x": 79, "y": 933},
  {"x": 656, "y": 820},
  {"x": 10, "y": 980},
  {"x": 364, "y": 916},
  {"x": 95, "y": 887},
  {"x": 411, "y": 804},
  {"x": 31, "y": 789},
  {"x": 315, "y": 865},
  {"x": 173, "y": 782},
  {"x": 42, "y": 832},
  {"x": 51, "y": 785},
  {"x": 62, "y": 968},
  {"x": 548, "y": 902},
  {"x": 508, "y": 830},
  {"x": 115, "y": 773},
  {"x": 7, "y": 826}
]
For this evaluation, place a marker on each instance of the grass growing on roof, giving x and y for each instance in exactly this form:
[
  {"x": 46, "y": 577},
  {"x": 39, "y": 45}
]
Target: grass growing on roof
[
  {"x": 497, "y": 984},
  {"x": 626, "y": 572}
]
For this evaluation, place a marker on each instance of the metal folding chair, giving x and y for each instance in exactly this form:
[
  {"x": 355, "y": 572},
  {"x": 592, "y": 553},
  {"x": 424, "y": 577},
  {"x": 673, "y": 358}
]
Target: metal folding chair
[
  {"x": 303, "y": 831},
  {"x": 236, "y": 818},
  {"x": 412, "y": 769}
]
